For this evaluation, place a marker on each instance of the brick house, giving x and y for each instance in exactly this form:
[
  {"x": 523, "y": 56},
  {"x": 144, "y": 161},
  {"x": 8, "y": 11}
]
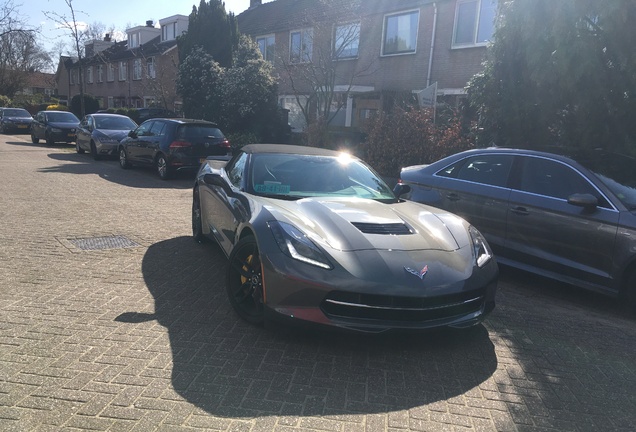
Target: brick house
[
  {"x": 372, "y": 48},
  {"x": 137, "y": 72}
]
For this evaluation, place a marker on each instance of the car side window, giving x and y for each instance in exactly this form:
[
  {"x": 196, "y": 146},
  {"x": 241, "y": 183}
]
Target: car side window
[
  {"x": 485, "y": 169},
  {"x": 144, "y": 129},
  {"x": 553, "y": 179},
  {"x": 157, "y": 128},
  {"x": 236, "y": 170}
]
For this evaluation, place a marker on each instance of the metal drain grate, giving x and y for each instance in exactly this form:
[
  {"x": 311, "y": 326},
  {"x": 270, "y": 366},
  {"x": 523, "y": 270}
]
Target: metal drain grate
[{"x": 101, "y": 243}]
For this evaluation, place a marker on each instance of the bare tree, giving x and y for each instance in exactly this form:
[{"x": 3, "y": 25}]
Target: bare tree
[
  {"x": 77, "y": 31},
  {"x": 19, "y": 51},
  {"x": 317, "y": 69}
]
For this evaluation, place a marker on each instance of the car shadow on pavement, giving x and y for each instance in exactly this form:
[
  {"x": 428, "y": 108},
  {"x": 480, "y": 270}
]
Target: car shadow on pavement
[
  {"x": 109, "y": 169},
  {"x": 230, "y": 368}
]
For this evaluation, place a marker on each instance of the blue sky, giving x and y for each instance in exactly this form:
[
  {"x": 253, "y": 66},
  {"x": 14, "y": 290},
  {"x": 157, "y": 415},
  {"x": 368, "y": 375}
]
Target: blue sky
[{"x": 117, "y": 13}]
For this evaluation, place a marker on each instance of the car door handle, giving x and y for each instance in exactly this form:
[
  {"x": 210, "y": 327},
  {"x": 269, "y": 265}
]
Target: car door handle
[
  {"x": 453, "y": 196},
  {"x": 521, "y": 211}
]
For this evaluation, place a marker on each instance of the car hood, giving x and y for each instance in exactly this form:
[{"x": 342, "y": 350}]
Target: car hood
[
  {"x": 357, "y": 224},
  {"x": 114, "y": 134}
]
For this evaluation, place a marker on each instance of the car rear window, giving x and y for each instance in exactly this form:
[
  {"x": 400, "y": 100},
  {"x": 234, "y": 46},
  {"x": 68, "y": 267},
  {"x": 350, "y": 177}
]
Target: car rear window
[{"x": 189, "y": 131}]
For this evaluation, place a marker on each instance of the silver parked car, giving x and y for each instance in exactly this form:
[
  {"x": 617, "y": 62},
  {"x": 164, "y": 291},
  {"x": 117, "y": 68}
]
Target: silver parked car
[
  {"x": 567, "y": 214},
  {"x": 100, "y": 134}
]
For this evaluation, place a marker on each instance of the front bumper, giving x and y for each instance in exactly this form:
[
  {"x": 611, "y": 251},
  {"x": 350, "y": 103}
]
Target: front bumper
[
  {"x": 297, "y": 294},
  {"x": 17, "y": 127},
  {"x": 64, "y": 136}
]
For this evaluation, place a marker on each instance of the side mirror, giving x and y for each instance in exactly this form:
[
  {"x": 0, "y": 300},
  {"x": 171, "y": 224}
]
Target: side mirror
[
  {"x": 216, "y": 180},
  {"x": 132, "y": 134},
  {"x": 401, "y": 189},
  {"x": 586, "y": 201}
]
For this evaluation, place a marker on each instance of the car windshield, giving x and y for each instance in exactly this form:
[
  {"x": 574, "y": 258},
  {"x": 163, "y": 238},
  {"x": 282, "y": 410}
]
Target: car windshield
[
  {"x": 16, "y": 113},
  {"x": 62, "y": 117},
  {"x": 617, "y": 172},
  {"x": 189, "y": 131},
  {"x": 299, "y": 176},
  {"x": 114, "y": 123}
]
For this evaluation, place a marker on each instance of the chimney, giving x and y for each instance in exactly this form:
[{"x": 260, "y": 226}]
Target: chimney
[
  {"x": 255, "y": 3},
  {"x": 107, "y": 37},
  {"x": 150, "y": 23}
]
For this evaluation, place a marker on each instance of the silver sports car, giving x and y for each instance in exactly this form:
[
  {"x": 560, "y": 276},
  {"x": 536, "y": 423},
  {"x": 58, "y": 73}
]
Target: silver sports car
[{"x": 315, "y": 236}]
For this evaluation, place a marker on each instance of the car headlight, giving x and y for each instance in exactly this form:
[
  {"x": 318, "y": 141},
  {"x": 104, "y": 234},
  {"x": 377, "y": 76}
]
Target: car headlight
[
  {"x": 56, "y": 130},
  {"x": 481, "y": 250},
  {"x": 295, "y": 244}
]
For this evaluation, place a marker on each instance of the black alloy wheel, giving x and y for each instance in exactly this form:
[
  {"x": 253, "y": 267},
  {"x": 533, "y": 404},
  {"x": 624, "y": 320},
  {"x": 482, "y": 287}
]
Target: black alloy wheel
[
  {"x": 245, "y": 281},
  {"x": 197, "y": 227},
  {"x": 94, "y": 153},
  {"x": 162, "y": 167},
  {"x": 78, "y": 149},
  {"x": 34, "y": 139},
  {"x": 49, "y": 140},
  {"x": 123, "y": 158}
]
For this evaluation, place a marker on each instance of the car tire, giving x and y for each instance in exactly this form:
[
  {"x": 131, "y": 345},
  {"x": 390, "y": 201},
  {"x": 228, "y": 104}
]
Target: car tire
[
  {"x": 49, "y": 141},
  {"x": 94, "y": 153},
  {"x": 123, "y": 158},
  {"x": 163, "y": 170},
  {"x": 197, "y": 225},
  {"x": 245, "y": 281},
  {"x": 34, "y": 139},
  {"x": 78, "y": 149}
]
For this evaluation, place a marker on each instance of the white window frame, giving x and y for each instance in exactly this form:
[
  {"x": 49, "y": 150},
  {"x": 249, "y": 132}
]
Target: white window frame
[
  {"x": 89, "y": 74},
  {"x": 169, "y": 31},
  {"x": 110, "y": 72},
  {"x": 349, "y": 39},
  {"x": 306, "y": 45},
  {"x": 123, "y": 70},
  {"x": 73, "y": 78},
  {"x": 100, "y": 73},
  {"x": 385, "y": 22},
  {"x": 150, "y": 67},
  {"x": 266, "y": 52},
  {"x": 477, "y": 23},
  {"x": 136, "y": 69}
]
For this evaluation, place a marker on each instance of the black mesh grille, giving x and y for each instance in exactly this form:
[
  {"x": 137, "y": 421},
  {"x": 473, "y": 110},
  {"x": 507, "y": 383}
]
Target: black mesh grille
[
  {"x": 383, "y": 229},
  {"x": 402, "y": 309}
]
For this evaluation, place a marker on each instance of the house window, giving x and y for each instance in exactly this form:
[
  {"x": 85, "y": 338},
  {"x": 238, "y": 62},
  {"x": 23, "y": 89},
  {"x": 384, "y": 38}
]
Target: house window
[
  {"x": 111, "y": 102},
  {"x": 137, "y": 69},
  {"x": 266, "y": 45},
  {"x": 73, "y": 77},
  {"x": 400, "y": 33},
  {"x": 346, "y": 41},
  {"x": 123, "y": 70},
  {"x": 133, "y": 40},
  {"x": 301, "y": 46},
  {"x": 150, "y": 66},
  {"x": 169, "y": 31},
  {"x": 474, "y": 22},
  {"x": 100, "y": 73},
  {"x": 110, "y": 72},
  {"x": 89, "y": 74}
]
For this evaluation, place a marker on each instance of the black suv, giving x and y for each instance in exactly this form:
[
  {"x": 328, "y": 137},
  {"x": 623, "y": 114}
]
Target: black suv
[
  {"x": 172, "y": 145},
  {"x": 150, "y": 113}
]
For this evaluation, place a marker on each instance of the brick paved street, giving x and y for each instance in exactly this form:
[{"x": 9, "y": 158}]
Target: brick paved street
[{"x": 137, "y": 335}]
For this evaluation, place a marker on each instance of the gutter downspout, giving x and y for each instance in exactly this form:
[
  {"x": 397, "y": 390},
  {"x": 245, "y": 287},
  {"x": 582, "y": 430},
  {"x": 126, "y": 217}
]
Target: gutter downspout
[{"x": 430, "y": 58}]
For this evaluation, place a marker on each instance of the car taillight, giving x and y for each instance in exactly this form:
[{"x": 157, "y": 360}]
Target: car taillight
[
  {"x": 225, "y": 143},
  {"x": 180, "y": 144}
]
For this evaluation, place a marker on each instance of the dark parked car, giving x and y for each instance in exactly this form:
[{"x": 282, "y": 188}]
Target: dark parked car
[
  {"x": 54, "y": 126},
  {"x": 569, "y": 216},
  {"x": 15, "y": 120},
  {"x": 154, "y": 112},
  {"x": 315, "y": 237},
  {"x": 100, "y": 134},
  {"x": 172, "y": 144}
]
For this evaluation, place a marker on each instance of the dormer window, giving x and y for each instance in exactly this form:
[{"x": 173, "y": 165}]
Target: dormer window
[
  {"x": 169, "y": 31},
  {"x": 133, "y": 40}
]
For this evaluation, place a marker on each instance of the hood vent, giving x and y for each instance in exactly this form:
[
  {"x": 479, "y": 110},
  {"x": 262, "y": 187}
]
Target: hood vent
[{"x": 383, "y": 229}]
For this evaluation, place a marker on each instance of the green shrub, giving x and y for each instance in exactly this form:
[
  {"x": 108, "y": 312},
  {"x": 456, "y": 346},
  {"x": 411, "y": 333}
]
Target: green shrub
[{"x": 410, "y": 136}]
